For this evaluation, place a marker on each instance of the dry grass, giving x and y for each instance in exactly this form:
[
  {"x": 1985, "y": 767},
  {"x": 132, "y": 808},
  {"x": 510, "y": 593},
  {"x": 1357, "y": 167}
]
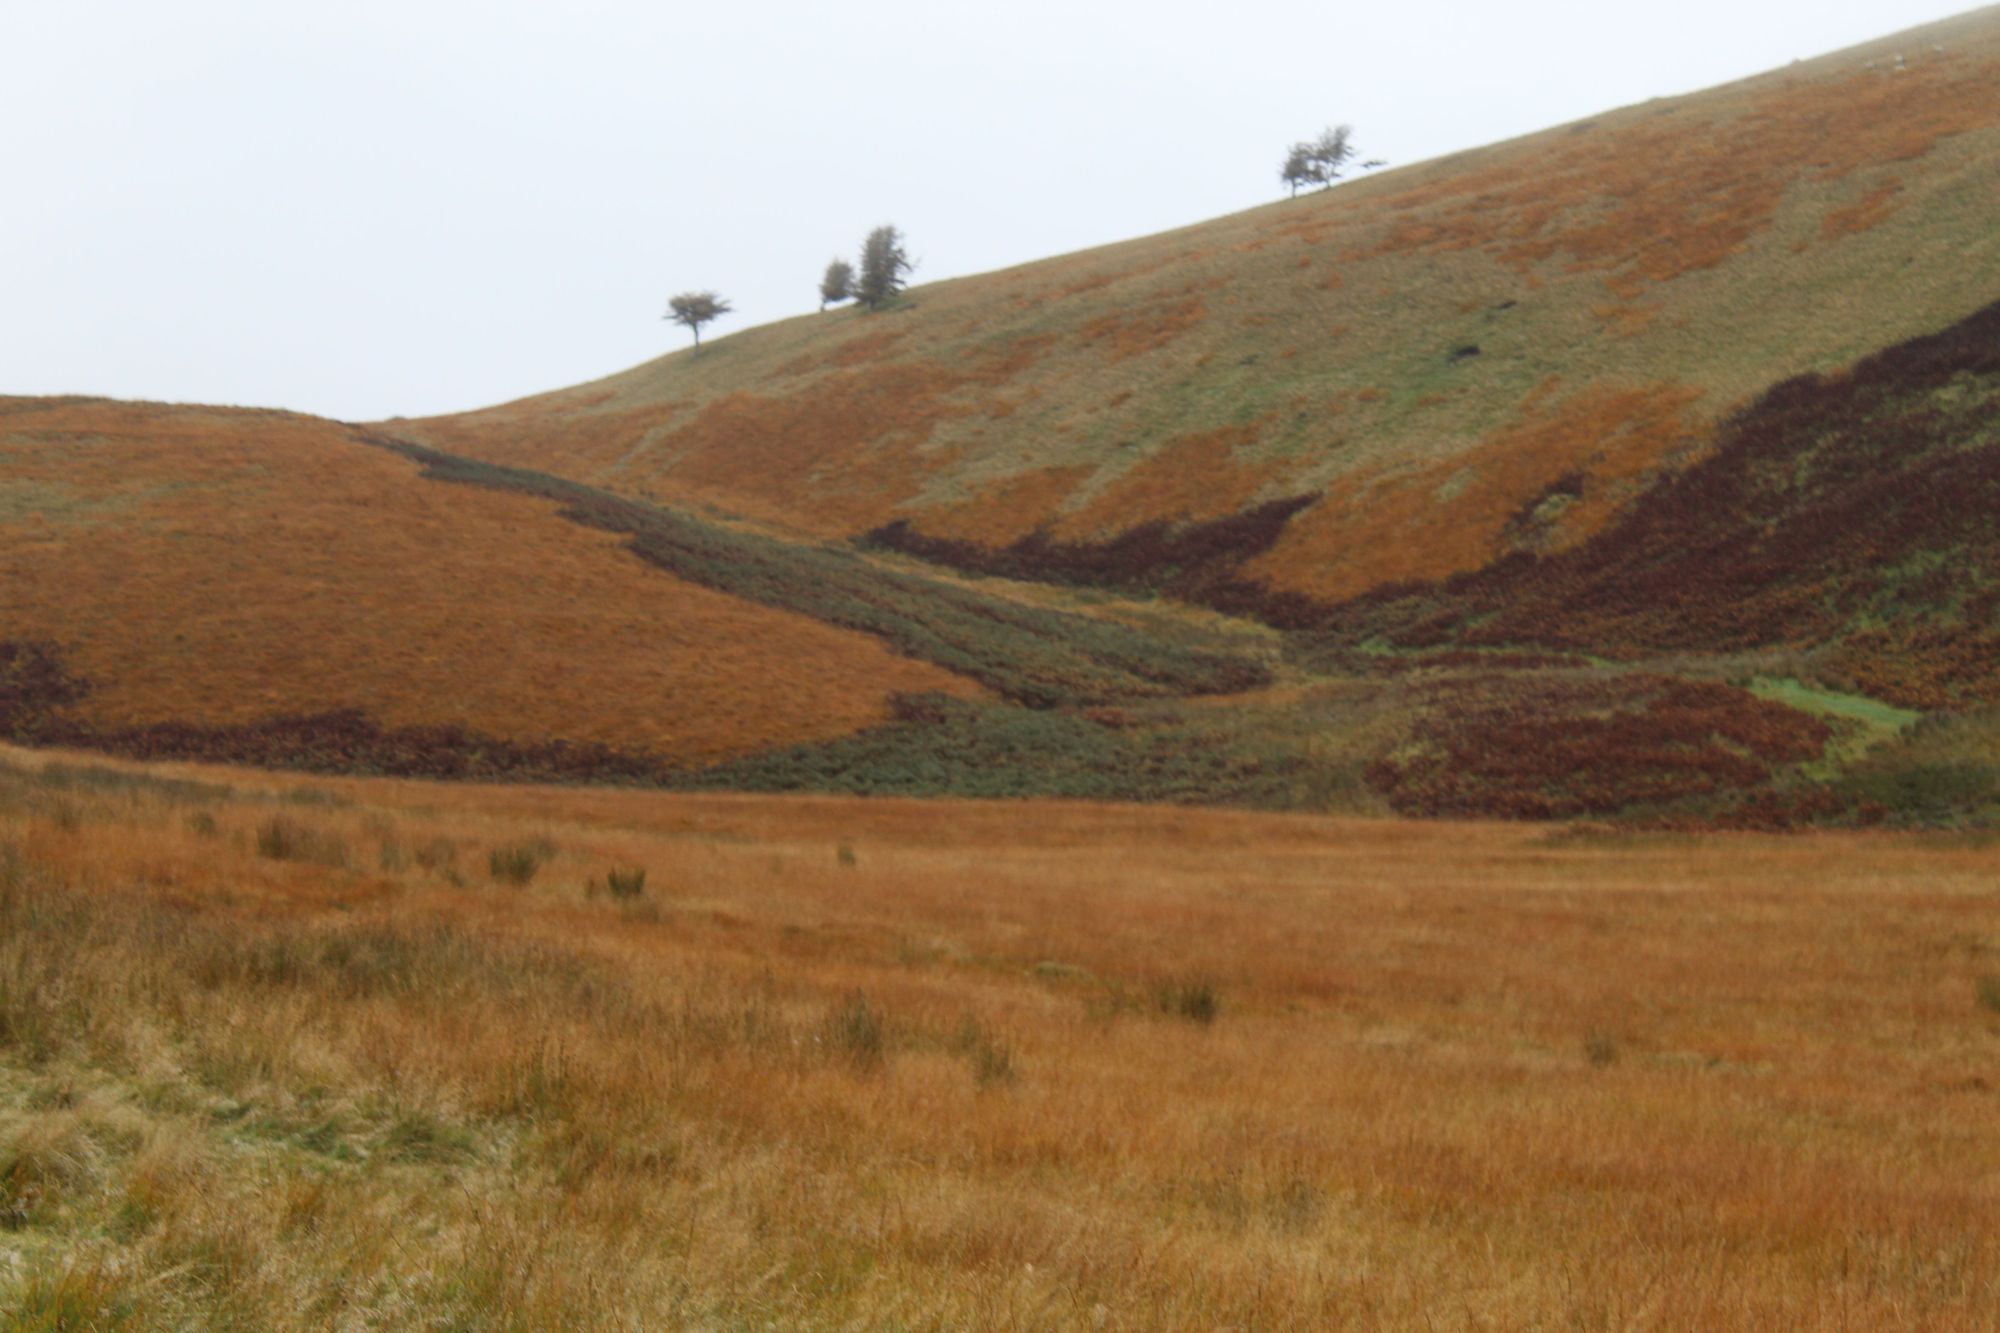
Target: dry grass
[
  {"x": 224, "y": 567},
  {"x": 887, "y": 1064}
]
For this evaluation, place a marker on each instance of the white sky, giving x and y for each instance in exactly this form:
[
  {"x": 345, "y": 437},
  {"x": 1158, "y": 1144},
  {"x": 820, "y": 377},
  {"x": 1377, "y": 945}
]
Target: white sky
[{"x": 373, "y": 207}]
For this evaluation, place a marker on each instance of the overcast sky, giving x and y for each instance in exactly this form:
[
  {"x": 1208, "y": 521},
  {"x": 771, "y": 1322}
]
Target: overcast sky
[{"x": 376, "y": 207}]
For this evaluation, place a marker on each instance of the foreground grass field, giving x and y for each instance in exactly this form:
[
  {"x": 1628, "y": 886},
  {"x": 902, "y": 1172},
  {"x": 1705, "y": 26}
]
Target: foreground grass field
[{"x": 364, "y": 1054}]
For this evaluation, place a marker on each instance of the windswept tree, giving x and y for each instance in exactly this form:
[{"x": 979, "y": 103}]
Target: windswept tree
[
  {"x": 1298, "y": 168},
  {"x": 695, "y": 309},
  {"x": 1318, "y": 161},
  {"x": 883, "y": 264},
  {"x": 838, "y": 284}
]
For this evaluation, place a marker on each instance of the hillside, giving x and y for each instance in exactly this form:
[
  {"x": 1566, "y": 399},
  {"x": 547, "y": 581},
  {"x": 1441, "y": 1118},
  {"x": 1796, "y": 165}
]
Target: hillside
[
  {"x": 268, "y": 588},
  {"x": 1381, "y": 382},
  {"x": 1644, "y": 469},
  {"x": 221, "y": 571}
]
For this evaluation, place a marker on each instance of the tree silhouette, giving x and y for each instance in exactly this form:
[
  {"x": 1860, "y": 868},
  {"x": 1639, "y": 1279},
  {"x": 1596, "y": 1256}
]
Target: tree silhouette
[
  {"x": 883, "y": 264},
  {"x": 1317, "y": 161},
  {"x": 695, "y": 309},
  {"x": 838, "y": 284}
]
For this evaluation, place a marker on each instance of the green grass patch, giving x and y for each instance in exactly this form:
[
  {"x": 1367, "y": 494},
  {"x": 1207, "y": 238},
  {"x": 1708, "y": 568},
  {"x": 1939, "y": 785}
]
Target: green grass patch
[{"x": 1872, "y": 721}]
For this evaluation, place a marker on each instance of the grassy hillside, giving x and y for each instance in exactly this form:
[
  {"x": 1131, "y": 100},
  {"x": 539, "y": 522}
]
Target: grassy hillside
[
  {"x": 379, "y": 1054},
  {"x": 269, "y": 588},
  {"x": 1643, "y": 469},
  {"x": 220, "y": 571},
  {"x": 1377, "y": 382}
]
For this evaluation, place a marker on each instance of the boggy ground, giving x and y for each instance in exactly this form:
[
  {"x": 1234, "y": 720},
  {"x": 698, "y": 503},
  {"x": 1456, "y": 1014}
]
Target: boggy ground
[{"x": 282, "y": 1055}]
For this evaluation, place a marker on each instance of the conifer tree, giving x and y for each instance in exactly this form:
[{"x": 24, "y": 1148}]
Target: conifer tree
[{"x": 883, "y": 264}]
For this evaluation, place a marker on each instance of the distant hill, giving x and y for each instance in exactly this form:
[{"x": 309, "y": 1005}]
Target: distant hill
[
  {"x": 1646, "y": 469},
  {"x": 1409, "y": 376}
]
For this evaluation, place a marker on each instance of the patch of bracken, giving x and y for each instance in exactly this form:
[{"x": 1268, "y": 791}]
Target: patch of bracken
[{"x": 1037, "y": 656}]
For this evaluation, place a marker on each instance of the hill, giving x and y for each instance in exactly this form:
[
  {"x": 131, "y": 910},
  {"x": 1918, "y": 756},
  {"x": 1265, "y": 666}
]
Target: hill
[
  {"x": 1643, "y": 469},
  {"x": 264, "y": 587},
  {"x": 222, "y": 573},
  {"x": 1406, "y": 377}
]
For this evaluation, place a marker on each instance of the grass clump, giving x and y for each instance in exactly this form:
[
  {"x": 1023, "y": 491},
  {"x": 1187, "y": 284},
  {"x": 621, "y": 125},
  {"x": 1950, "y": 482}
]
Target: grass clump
[
  {"x": 1195, "y": 1000},
  {"x": 1599, "y": 1049},
  {"x": 854, "y": 1032},
  {"x": 626, "y": 883},
  {"x": 991, "y": 1059},
  {"x": 44, "y": 1161},
  {"x": 517, "y": 863},
  {"x": 1988, "y": 993},
  {"x": 418, "y": 1136},
  {"x": 71, "y": 1297},
  {"x": 280, "y": 838},
  {"x": 436, "y": 856}
]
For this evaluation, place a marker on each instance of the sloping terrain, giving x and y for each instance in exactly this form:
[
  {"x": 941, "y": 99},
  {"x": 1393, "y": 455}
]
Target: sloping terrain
[
  {"x": 1858, "y": 514},
  {"x": 1644, "y": 469},
  {"x": 1403, "y": 378},
  {"x": 224, "y": 570},
  {"x": 270, "y": 588}
]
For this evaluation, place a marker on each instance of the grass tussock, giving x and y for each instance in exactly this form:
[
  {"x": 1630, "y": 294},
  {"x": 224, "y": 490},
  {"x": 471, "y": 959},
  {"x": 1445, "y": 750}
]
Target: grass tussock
[
  {"x": 626, "y": 884},
  {"x": 517, "y": 863},
  {"x": 947, "y": 1086},
  {"x": 282, "y": 838},
  {"x": 1195, "y": 1000}
]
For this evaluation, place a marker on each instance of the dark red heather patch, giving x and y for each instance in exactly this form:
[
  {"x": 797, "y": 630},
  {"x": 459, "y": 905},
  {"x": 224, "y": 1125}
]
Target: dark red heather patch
[{"x": 1543, "y": 749}]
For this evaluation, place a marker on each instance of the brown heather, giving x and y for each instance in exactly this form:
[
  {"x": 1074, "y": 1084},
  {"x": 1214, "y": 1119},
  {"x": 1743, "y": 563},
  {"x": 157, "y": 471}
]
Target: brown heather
[{"x": 1043, "y": 1066}]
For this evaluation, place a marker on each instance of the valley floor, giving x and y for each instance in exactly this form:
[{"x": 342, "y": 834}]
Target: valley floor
[{"x": 320, "y": 1053}]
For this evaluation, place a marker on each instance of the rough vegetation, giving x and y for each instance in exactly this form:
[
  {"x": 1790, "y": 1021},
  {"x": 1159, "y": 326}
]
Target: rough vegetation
[
  {"x": 1481, "y": 488},
  {"x": 1103, "y": 1068},
  {"x": 1855, "y": 512},
  {"x": 1030, "y": 654}
]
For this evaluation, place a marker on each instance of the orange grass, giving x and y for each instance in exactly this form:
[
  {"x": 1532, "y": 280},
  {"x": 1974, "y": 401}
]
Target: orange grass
[
  {"x": 871, "y": 1063},
  {"x": 1191, "y": 479},
  {"x": 224, "y": 567},
  {"x": 1455, "y": 516}
]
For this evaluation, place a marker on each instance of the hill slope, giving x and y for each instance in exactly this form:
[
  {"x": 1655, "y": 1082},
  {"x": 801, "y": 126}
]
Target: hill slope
[
  {"x": 226, "y": 569},
  {"x": 1642, "y": 469},
  {"x": 264, "y": 587},
  {"x": 1377, "y": 382}
]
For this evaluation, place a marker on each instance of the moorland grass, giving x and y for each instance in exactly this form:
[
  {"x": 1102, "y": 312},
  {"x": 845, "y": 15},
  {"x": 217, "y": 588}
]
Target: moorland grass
[{"x": 1453, "y": 1067}]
